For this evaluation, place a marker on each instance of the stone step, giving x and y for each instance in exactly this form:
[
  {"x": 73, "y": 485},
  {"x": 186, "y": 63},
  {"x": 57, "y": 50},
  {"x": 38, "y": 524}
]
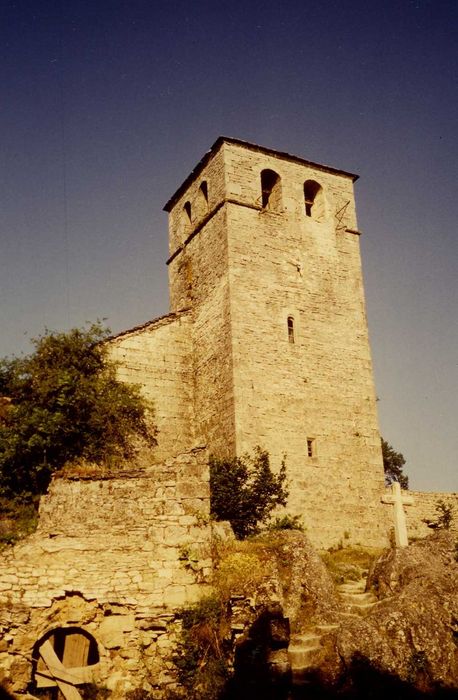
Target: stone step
[
  {"x": 303, "y": 676},
  {"x": 302, "y": 658},
  {"x": 352, "y": 587},
  {"x": 307, "y": 640},
  {"x": 305, "y": 651},
  {"x": 358, "y": 597},
  {"x": 358, "y": 600},
  {"x": 353, "y": 590},
  {"x": 327, "y": 628},
  {"x": 380, "y": 601},
  {"x": 361, "y": 604},
  {"x": 361, "y": 610}
]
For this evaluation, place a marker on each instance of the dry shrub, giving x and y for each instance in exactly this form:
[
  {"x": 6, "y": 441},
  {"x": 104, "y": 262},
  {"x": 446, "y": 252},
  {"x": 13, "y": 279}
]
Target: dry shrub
[{"x": 239, "y": 573}]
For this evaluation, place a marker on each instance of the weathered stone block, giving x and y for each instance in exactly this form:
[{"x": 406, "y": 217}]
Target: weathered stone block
[
  {"x": 111, "y": 630},
  {"x": 175, "y": 596},
  {"x": 20, "y": 674}
]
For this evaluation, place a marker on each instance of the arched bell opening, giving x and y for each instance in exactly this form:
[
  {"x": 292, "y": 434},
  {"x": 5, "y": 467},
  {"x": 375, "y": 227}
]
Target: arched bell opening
[
  {"x": 271, "y": 190},
  {"x": 314, "y": 201}
]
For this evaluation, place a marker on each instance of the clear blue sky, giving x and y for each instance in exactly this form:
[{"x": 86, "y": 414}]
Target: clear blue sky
[{"x": 106, "y": 106}]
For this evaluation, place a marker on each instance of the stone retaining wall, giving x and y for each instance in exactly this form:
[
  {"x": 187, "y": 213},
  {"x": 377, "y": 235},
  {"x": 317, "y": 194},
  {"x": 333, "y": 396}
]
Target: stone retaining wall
[{"x": 117, "y": 557}]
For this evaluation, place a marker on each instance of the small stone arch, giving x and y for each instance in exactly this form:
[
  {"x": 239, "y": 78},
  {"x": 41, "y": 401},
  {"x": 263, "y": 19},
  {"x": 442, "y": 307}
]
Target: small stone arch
[
  {"x": 201, "y": 201},
  {"x": 63, "y": 659},
  {"x": 314, "y": 201},
  {"x": 271, "y": 190}
]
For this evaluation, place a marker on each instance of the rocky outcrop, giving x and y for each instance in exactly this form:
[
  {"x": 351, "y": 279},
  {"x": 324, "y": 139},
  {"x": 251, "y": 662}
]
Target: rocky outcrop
[
  {"x": 395, "y": 635},
  {"x": 408, "y": 639},
  {"x": 307, "y": 589},
  {"x": 418, "y": 613}
]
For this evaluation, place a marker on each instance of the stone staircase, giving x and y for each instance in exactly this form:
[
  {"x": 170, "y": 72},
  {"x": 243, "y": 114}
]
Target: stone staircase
[
  {"x": 357, "y": 600},
  {"x": 306, "y": 651}
]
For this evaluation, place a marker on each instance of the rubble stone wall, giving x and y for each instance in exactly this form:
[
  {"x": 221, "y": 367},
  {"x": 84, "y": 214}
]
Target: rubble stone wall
[{"x": 117, "y": 556}]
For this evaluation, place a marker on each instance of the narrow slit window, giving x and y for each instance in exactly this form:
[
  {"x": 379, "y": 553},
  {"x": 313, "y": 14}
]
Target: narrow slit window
[
  {"x": 270, "y": 190},
  {"x": 291, "y": 338},
  {"x": 310, "y": 447}
]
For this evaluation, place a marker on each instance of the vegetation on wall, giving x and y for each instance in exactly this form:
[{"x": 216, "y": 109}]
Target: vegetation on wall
[
  {"x": 393, "y": 464},
  {"x": 64, "y": 402},
  {"x": 444, "y": 516},
  {"x": 205, "y": 655},
  {"x": 200, "y": 659},
  {"x": 18, "y": 519},
  {"x": 244, "y": 490}
]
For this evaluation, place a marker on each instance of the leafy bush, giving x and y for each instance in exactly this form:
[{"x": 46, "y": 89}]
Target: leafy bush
[
  {"x": 444, "y": 516},
  {"x": 201, "y": 666},
  {"x": 64, "y": 402},
  {"x": 238, "y": 573},
  {"x": 286, "y": 522},
  {"x": 18, "y": 518},
  {"x": 244, "y": 491}
]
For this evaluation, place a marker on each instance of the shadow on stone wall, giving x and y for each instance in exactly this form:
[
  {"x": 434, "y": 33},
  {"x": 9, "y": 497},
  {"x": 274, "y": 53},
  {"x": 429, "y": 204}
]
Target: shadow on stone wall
[
  {"x": 4, "y": 695},
  {"x": 261, "y": 667}
]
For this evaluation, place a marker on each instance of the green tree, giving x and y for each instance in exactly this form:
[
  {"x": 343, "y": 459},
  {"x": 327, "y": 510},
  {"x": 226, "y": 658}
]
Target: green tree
[
  {"x": 244, "y": 491},
  {"x": 393, "y": 464},
  {"x": 64, "y": 402}
]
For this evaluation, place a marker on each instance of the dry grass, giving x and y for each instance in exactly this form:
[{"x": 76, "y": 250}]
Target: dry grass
[{"x": 350, "y": 563}]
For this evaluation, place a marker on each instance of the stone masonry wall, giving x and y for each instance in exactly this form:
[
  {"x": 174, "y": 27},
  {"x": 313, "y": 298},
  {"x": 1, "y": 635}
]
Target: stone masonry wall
[
  {"x": 117, "y": 557},
  {"x": 424, "y": 507},
  {"x": 180, "y": 227},
  {"x": 198, "y": 276},
  {"x": 243, "y": 272},
  {"x": 158, "y": 357}
]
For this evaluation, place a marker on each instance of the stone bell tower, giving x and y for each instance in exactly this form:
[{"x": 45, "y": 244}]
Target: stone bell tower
[{"x": 264, "y": 250}]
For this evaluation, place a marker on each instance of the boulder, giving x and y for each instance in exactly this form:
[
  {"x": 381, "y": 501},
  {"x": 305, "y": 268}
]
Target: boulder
[{"x": 412, "y": 633}]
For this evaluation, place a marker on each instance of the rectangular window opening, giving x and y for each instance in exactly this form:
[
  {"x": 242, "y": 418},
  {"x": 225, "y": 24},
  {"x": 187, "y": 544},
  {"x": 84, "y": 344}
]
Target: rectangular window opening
[
  {"x": 291, "y": 329},
  {"x": 311, "y": 447}
]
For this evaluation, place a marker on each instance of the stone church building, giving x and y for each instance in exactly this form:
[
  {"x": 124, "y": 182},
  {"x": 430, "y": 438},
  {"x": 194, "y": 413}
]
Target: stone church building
[{"x": 267, "y": 343}]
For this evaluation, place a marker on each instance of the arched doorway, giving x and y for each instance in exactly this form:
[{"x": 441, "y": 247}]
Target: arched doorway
[{"x": 64, "y": 659}]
